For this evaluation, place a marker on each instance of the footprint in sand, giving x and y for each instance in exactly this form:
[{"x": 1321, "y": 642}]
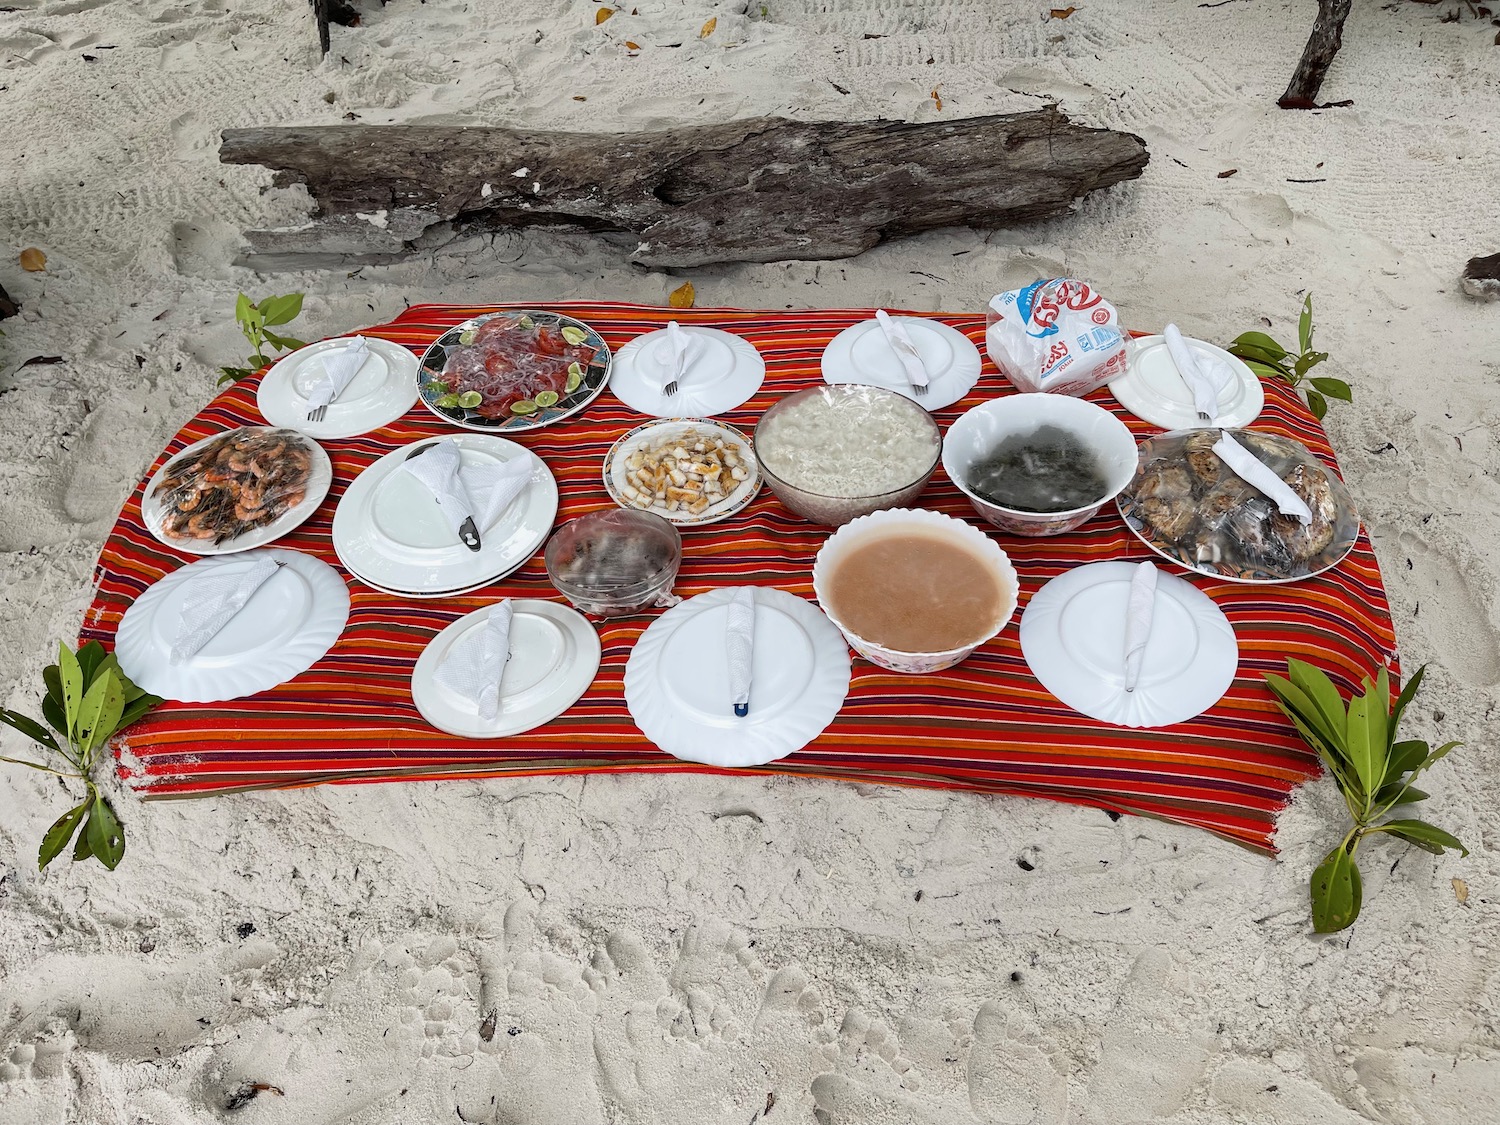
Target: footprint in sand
[
  {"x": 1155, "y": 1049},
  {"x": 1007, "y": 1078},
  {"x": 533, "y": 1058},
  {"x": 1011, "y": 1080},
  {"x": 710, "y": 1040},
  {"x": 1453, "y": 614}
]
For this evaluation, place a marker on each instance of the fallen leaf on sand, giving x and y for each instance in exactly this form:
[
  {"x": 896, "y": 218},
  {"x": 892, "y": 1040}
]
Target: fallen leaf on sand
[
  {"x": 602, "y": 14},
  {"x": 682, "y": 296},
  {"x": 1224, "y": 175},
  {"x": 632, "y": 46},
  {"x": 1062, "y": 13},
  {"x": 1460, "y": 891},
  {"x": 33, "y": 260},
  {"x": 708, "y": 28},
  {"x": 937, "y": 100}
]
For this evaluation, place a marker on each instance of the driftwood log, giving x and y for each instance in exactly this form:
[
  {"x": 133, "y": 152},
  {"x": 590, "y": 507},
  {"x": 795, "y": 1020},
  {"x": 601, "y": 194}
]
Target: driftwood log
[
  {"x": 1324, "y": 42},
  {"x": 1482, "y": 277},
  {"x": 759, "y": 190}
]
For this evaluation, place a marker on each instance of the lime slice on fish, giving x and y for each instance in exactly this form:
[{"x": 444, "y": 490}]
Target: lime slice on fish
[
  {"x": 470, "y": 399},
  {"x": 467, "y": 336},
  {"x": 575, "y": 377},
  {"x": 524, "y": 406},
  {"x": 546, "y": 398},
  {"x": 526, "y": 322},
  {"x": 574, "y": 335},
  {"x": 446, "y": 402}
]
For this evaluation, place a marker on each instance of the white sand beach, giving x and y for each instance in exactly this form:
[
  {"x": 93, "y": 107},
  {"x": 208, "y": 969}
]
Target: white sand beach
[{"x": 685, "y": 949}]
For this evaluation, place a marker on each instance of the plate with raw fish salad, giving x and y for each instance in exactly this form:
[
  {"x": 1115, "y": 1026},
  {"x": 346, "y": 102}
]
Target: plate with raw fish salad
[{"x": 516, "y": 370}]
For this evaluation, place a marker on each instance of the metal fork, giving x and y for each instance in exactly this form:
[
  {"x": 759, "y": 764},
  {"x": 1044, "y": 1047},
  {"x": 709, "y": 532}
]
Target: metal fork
[{"x": 318, "y": 413}]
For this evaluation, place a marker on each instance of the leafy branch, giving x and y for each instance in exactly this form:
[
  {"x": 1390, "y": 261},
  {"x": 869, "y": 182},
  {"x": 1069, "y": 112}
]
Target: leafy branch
[
  {"x": 1269, "y": 359},
  {"x": 1374, "y": 774},
  {"x": 89, "y": 699},
  {"x": 255, "y": 321}
]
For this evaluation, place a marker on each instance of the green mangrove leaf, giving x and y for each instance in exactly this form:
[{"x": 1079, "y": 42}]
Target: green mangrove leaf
[{"x": 1336, "y": 892}]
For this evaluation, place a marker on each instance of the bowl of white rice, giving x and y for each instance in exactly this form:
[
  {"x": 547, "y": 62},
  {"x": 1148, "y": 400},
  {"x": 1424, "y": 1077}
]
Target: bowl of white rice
[{"x": 834, "y": 453}]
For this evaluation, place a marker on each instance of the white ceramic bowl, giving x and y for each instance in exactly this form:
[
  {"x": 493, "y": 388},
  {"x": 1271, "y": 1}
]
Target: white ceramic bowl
[
  {"x": 977, "y": 432},
  {"x": 837, "y": 546}
]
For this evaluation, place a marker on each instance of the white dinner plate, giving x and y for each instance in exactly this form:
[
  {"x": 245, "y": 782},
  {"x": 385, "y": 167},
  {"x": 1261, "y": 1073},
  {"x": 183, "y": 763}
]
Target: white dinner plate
[
  {"x": 389, "y": 531},
  {"x": 554, "y": 655},
  {"x": 1073, "y": 639},
  {"x": 455, "y": 593},
  {"x": 319, "y": 479},
  {"x": 286, "y": 627},
  {"x": 861, "y": 354},
  {"x": 1153, "y": 391},
  {"x": 617, "y": 466},
  {"x": 382, "y": 390},
  {"x": 723, "y": 373},
  {"x": 677, "y": 680}
]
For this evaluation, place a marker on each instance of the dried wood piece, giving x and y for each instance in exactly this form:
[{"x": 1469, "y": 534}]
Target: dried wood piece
[
  {"x": 1324, "y": 42},
  {"x": 759, "y": 190},
  {"x": 1482, "y": 277}
]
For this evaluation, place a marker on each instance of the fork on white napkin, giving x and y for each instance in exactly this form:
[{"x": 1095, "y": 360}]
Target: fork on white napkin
[
  {"x": 462, "y": 492},
  {"x": 339, "y": 366},
  {"x": 473, "y": 667},
  {"x": 740, "y": 641},
  {"x": 1207, "y": 376},
  {"x": 911, "y": 359},
  {"x": 1139, "y": 611},
  {"x": 677, "y": 347},
  {"x": 211, "y": 602},
  {"x": 1252, "y": 470}
]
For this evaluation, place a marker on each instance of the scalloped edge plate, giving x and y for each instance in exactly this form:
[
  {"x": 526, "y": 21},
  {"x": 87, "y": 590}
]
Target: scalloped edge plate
[
  {"x": 953, "y": 382},
  {"x": 1189, "y": 662},
  {"x": 205, "y": 678},
  {"x": 636, "y": 382},
  {"x": 766, "y": 734}
]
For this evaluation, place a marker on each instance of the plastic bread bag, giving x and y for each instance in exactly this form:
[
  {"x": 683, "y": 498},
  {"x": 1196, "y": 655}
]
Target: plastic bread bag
[
  {"x": 228, "y": 485},
  {"x": 1058, "y": 336}
]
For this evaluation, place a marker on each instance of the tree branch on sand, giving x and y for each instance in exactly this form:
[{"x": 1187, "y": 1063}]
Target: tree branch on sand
[
  {"x": 758, "y": 190},
  {"x": 1324, "y": 42}
]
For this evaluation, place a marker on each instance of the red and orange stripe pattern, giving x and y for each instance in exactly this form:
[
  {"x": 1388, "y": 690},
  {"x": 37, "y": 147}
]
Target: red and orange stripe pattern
[{"x": 985, "y": 725}]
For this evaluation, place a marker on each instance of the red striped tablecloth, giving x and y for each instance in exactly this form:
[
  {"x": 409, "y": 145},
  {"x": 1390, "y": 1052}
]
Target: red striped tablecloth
[{"x": 984, "y": 725}]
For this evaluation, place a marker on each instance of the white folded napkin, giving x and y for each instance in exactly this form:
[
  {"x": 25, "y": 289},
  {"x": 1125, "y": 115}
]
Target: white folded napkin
[
  {"x": 474, "y": 666},
  {"x": 678, "y": 343},
  {"x": 461, "y": 491},
  {"x": 740, "y": 639},
  {"x": 906, "y": 351},
  {"x": 1139, "y": 611},
  {"x": 212, "y": 601},
  {"x": 1206, "y": 376},
  {"x": 339, "y": 366},
  {"x": 1252, "y": 470}
]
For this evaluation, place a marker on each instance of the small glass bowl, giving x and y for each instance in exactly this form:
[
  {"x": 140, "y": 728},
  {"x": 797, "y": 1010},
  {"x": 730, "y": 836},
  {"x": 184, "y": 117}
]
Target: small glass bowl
[
  {"x": 851, "y": 401},
  {"x": 615, "y": 562}
]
